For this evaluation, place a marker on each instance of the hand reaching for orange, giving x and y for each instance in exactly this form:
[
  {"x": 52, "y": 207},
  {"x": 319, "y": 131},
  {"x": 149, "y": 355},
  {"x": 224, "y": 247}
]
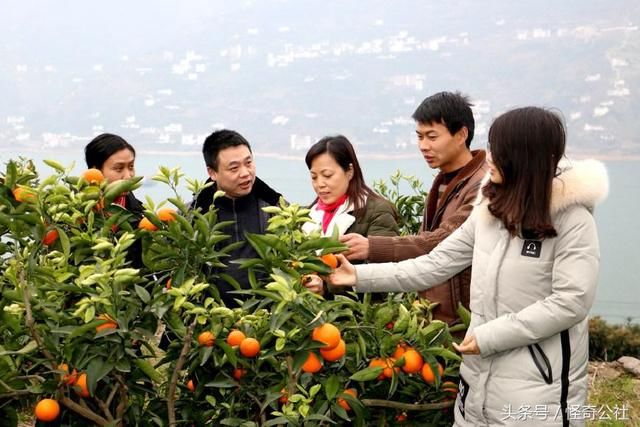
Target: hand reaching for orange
[{"x": 344, "y": 274}]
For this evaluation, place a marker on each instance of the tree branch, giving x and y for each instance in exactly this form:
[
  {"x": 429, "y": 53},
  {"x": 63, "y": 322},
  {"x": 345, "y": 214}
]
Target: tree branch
[
  {"x": 84, "y": 411},
  {"x": 407, "y": 406},
  {"x": 31, "y": 324},
  {"x": 171, "y": 394},
  {"x": 124, "y": 401}
]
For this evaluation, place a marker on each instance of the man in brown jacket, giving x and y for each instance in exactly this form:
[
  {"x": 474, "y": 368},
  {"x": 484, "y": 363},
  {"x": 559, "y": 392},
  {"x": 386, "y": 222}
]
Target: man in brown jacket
[{"x": 444, "y": 126}]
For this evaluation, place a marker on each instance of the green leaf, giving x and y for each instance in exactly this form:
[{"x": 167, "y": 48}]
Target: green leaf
[
  {"x": 143, "y": 294},
  {"x": 148, "y": 370},
  {"x": 367, "y": 374},
  {"x": 331, "y": 387},
  {"x": 464, "y": 314},
  {"x": 55, "y": 165},
  {"x": 97, "y": 370}
]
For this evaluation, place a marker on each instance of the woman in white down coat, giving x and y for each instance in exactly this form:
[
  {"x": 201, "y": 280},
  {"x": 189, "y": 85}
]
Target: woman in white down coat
[{"x": 533, "y": 246}]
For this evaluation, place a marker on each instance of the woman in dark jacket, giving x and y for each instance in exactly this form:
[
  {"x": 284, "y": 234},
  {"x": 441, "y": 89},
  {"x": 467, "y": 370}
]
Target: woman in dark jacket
[
  {"x": 115, "y": 158},
  {"x": 344, "y": 202}
]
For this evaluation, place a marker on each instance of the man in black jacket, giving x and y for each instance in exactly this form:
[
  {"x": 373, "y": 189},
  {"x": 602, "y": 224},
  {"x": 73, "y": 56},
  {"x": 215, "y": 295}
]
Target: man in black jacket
[{"x": 230, "y": 166}]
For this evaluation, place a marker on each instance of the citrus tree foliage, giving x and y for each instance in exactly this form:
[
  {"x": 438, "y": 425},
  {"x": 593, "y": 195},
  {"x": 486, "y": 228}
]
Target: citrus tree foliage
[
  {"x": 155, "y": 345},
  {"x": 410, "y": 207}
]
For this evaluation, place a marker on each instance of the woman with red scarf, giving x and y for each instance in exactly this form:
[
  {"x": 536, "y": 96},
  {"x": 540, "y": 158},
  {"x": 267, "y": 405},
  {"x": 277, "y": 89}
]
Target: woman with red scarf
[{"x": 344, "y": 203}]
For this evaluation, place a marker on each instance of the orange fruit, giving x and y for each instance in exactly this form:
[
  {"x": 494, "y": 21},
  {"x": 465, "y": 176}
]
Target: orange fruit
[
  {"x": 412, "y": 361},
  {"x": 109, "y": 324},
  {"x": 191, "y": 386},
  {"x": 428, "y": 375},
  {"x": 390, "y": 325},
  {"x": 239, "y": 373},
  {"x": 401, "y": 418},
  {"x": 47, "y": 410},
  {"x": 334, "y": 354},
  {"x": 166, "y": 214},
  {"x": 68, "y": 379},
  {"x": 327, "y": 334},
  {"x": 330, "y": 260},
  {"x": 250, "y": 347},
  {"x": 399, "y": 352},
  {"x": 389, "y": 368},
  {"x": 235, "y": 338},
  {"x": 285, "y": 396},
  {"x": 312, "y": 364},
  {"x": 145, "y": 224},
  {"x": 50, "y": 237},
  {"x": 93, "y": 176},
  {"x": 206, "y": 339},
  {"x": 82, "y": 384},
  {"x": 342, "y": 402},
  {"x": 378, "y": 363},
  {"x": 23, "y": 195},
  {"x": 168, "y": 284}
]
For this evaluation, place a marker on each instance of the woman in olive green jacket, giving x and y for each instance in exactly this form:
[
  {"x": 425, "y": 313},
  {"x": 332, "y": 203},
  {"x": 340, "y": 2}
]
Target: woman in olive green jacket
[{"x": 344, "y": 202}]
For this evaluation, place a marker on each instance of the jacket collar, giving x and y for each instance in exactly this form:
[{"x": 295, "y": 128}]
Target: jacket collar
[
  {"x": 583, "y": 182},
  {"x": 260, "y": 190},
  {"x": 342, "y": 219}
]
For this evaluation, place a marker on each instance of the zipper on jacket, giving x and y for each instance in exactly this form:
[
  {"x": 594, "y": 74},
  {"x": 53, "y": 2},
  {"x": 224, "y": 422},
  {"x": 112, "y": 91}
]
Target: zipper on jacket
[
  {"x": 235, "y": 218},
  {"x": 545, "y": 371},
  {"x": 564, "y": 375}
]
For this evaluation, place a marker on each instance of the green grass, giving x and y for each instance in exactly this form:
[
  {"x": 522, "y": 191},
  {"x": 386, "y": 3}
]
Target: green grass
[{"x": 616, "y": 392}]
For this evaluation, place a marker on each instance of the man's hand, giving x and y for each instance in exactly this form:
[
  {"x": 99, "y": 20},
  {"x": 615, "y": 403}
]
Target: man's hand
[
  {"x": 468, "y": 346},
  {"x": 313, "y": 283},
  {"x": 345, "y": 274},
  {"x": 358, "y": 246}
]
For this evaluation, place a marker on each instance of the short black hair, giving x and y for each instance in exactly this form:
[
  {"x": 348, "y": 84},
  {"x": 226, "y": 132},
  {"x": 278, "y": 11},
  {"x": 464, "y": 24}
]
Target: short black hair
[
  {"x": 218, "y": 141},
  {"x": 452, "y": 109},
  {"x": 104, "y": 146}
]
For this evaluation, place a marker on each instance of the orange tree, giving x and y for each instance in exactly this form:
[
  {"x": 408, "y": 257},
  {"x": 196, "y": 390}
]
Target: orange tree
[
  {"x": 78, "y": 321},
  {"x": 295, "y": 380}
]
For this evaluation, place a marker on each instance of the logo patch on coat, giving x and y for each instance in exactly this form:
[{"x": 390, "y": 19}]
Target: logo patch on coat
[{"x": 532, "y": 248}]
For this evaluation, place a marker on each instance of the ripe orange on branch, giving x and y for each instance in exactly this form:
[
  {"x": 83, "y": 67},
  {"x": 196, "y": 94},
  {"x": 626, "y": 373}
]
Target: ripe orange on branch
[
  {"x": 50, "y": 237},
  {"x": 145, "y": 224},
  {"x": 328, "y": 334},
  {"x": 47, "y": 410},
  {"x": 206, "y": 339},
  {"x": 428, "y": 375},
  {"x": 342, "y": 402},
  {"x": 109, "y": 324},
  {"x": 93, "y": 176},
  {"x": 82, "y": 384},
  {"x": 413, "y": 361},
  {"x": 250, "y": 347},
  {"x": 330, "y": 260},
  {"x": 23, "y": 195},
  {"x": 167, "y": 214},
  {"x": 334, "y": 354},
  {"x": 312, "y": 364},
  {"x": 235, "y": 338},
  {"x": 68, "y": 379}
]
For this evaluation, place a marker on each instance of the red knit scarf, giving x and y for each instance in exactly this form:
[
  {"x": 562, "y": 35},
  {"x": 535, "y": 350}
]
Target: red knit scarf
[{"x": 330, "y": 210}]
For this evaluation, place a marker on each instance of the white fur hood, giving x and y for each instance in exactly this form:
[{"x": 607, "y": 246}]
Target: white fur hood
[{"x": 583, "y": 182}]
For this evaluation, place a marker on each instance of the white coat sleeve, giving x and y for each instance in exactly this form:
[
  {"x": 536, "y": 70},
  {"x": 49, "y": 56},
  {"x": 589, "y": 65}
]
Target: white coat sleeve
[
  {"x": 574, "y": 279},
  {"x": 451, "y": 256}
]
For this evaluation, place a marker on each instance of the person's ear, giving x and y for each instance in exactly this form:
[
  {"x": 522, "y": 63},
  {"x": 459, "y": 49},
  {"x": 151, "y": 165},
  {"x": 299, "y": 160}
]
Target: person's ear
[
  {"x": 462, "y": 135},
  {"x": 212, "y": 174},
  {"x": 350, "y": 171}
]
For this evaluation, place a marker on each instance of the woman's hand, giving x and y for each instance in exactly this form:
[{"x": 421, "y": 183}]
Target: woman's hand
[
  {"x": 344, "y": 274},
  {"x": 313, "y": 283},
  {"x": 468, "y": 346}
]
